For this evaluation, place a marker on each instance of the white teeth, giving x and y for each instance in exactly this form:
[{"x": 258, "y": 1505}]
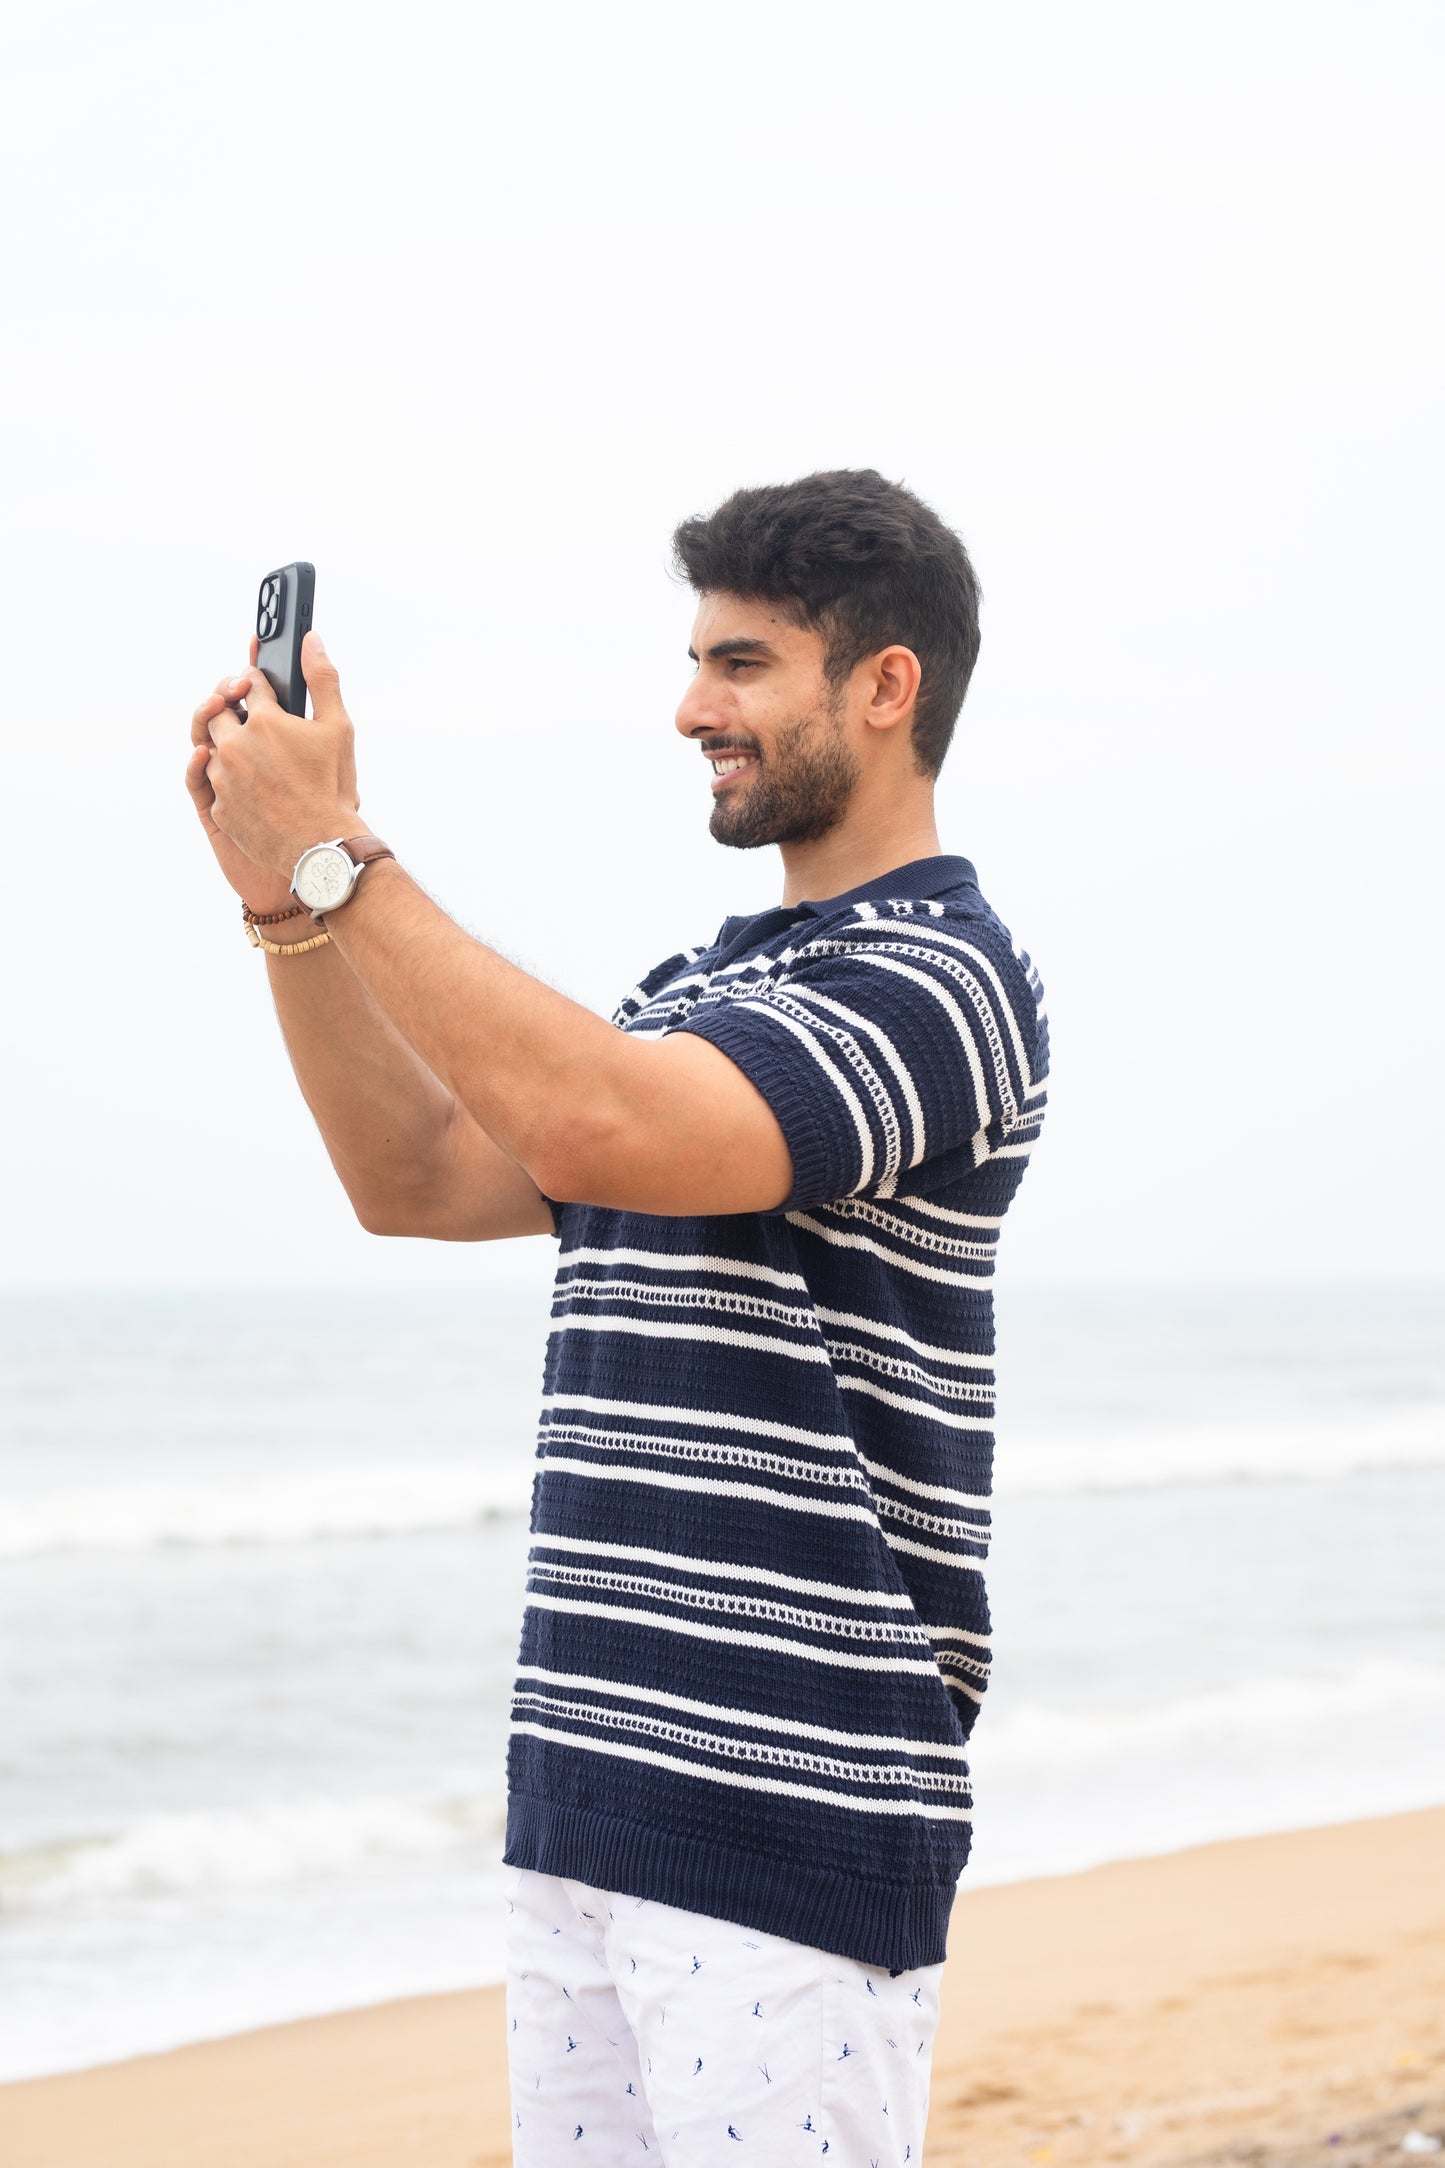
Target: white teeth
[{"x": 726, "y": 763}]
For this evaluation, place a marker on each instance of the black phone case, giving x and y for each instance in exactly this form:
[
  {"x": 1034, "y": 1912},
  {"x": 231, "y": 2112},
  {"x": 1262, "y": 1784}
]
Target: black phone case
[{"x": 283, "y": 619}]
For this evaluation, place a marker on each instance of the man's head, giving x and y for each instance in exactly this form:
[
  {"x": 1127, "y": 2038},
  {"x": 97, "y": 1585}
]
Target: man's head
[{"x": 836, "y": 631}]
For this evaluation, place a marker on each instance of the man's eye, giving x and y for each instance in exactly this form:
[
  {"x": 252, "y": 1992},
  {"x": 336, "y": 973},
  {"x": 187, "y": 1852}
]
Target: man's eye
[{"x": 741, "y": 662}]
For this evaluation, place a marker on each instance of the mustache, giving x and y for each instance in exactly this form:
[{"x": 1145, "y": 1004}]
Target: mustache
[{"x": 711, "y": 746}]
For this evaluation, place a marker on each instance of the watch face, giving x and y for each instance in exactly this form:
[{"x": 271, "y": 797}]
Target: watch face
[{"x": 323, "y": 877}]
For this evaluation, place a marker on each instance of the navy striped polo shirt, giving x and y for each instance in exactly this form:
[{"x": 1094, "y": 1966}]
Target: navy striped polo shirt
[{"x": 756, "y": 1634}]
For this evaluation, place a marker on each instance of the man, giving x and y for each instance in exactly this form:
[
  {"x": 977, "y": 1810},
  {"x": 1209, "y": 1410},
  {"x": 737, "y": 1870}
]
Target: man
[{"x": 756, "y": 1633}]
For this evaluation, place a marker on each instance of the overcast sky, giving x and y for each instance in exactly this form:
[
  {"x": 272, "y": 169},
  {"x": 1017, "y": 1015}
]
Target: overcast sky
[{"x": 1146, "y": 301}]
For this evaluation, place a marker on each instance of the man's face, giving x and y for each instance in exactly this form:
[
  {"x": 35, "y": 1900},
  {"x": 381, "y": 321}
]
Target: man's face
[{"x": 769, "y": 723}]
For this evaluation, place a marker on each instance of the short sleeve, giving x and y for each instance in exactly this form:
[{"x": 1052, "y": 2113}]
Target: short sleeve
[{"x": 894, "y": 1055}]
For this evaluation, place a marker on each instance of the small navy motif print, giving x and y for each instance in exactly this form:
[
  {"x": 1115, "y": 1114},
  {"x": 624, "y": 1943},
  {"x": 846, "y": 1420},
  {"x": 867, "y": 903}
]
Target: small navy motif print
[{"x": 793, "y": 2037}]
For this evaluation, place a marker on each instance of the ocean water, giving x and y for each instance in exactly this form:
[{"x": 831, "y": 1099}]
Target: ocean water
[{"x": 261, "y": 1575}]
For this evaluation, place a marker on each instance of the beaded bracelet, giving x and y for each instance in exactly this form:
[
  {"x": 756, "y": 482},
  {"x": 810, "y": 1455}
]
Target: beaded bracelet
[
  {"x": 284, "y": 948},
  {"x": 270, "y": 918}
]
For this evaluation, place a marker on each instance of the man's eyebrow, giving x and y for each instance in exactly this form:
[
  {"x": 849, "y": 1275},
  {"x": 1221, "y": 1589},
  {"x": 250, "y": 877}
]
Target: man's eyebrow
[{"x": 739, "y": 646}]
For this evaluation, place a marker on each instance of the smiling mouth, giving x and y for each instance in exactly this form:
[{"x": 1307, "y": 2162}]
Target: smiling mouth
[{"x": 726, "y": 765}]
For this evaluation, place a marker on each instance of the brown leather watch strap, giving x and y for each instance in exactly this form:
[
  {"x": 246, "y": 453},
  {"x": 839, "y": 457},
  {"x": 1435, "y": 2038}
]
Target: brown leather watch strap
[{"x": 362, "y": 850}]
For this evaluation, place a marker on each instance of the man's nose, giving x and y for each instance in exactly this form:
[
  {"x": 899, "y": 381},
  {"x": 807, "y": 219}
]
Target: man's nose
[{"x": 697, "y": 712}]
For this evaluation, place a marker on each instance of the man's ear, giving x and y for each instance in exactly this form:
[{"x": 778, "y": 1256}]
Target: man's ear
[{"x": 895, "y": 675}]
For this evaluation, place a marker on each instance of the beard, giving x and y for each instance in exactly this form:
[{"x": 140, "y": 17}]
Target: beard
[{"x": 798, "y": 793}]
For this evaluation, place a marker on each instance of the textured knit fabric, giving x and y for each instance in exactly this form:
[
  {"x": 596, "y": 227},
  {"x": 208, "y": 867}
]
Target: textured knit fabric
[
  {"x": 756, "y": 1632},
  {"x": 639, "y": 2032}
]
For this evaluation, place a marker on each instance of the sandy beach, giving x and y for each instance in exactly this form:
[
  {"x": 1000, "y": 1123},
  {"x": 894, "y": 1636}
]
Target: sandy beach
[{"x": 1278, "y": 1999}]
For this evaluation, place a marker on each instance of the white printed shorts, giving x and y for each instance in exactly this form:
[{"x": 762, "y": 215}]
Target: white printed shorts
[{"x": 638, "y": 2033}]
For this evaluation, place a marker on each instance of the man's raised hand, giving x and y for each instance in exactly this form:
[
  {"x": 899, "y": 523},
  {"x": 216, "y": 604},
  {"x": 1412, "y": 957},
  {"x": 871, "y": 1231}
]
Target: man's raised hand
[
  {"x": 268, "y": 788},
  {"x": 252, "y": 883}
]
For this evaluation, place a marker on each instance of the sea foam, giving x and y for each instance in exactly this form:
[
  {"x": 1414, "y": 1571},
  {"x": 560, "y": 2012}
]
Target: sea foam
[
  {"x": 300, "y": 1506},
  {"x": 278, "y": 1841}
]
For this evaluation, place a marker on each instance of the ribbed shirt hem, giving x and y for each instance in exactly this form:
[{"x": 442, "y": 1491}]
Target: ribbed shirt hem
[{"x": 893, "y": 1925}]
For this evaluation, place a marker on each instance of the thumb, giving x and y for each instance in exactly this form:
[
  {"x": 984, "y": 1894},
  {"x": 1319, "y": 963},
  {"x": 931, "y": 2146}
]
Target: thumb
[{"x": 322, "y": 681}]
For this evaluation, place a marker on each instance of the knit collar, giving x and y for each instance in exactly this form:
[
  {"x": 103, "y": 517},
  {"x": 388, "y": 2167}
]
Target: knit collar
[
  {"x": 908, "y": 884},
  {"x": 911, "y": 883}
]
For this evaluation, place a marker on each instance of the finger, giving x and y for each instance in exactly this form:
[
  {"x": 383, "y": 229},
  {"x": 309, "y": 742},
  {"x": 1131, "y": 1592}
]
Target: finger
[
  {"x": 255, "y": 650},
  {"x": 322, "y": 681},
  {"x": 201, "y": 719},
  {"x": 222, "y": 725},
  {"x": 254, "y": 687},
  {"x": 209, "y": 708},
  {"x": 198, "y": 783}
]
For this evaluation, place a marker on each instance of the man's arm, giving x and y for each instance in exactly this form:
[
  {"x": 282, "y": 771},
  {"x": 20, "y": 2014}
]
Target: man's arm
[
  {"x": 590, "y": 1114},
  {"x": 411, "y": 1160},
  {"x": 669, "y": 1126}
]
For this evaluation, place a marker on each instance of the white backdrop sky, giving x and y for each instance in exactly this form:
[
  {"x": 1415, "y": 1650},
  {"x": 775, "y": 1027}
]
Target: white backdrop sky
[{"x": 470, "y": 308}]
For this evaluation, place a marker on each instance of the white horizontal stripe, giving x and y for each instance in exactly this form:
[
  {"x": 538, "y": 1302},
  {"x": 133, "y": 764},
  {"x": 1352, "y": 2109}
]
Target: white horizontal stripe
[
  {"x": 962, "y": 1686},
  {"x": 890, "y": 1257},
  {"x": 900, "y": 1371},
  {"x": 884, "y": 1741},
  {"x": 662, "y": 1479},
  {"x": 594, "y": 1582},
  {"x": 937, "y": 1558},
  {"x": 902, "y": 1229},
  {"x": 702, "y": 1419},
  {"x": 959, "y": 1633},
  {"x": 725, "y": 1570},
  {"x": 713, "y": 1454},
  {"x": 804, "y": 1761},
  {"x": 845, "y": 1800},
  {"x": 881, "y": 1331},
  {"x": 740, "y": 1636},
  {"x": 762, "y": 968},
  {"x": 736, "y": 1302},
  {"x": 762, "y": 1308},
  {"x": 934, "y": 1524},
  {"x": 943, "y": 1212},
  {"x": 976, "y": 1501},
  {"x": 661, "y": 1261},
  {"x": 752, "y": 1461},
  {"x": 973, "y": 1665},
  {"x": 913, "y": 1407},
  {"x": 658, "y": 1329},
  {"x": 669, "y": 989}
]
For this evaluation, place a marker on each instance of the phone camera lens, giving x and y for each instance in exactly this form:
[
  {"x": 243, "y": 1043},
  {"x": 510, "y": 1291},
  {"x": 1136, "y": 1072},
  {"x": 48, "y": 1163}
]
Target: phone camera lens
[{"x": 268, "y": 608}]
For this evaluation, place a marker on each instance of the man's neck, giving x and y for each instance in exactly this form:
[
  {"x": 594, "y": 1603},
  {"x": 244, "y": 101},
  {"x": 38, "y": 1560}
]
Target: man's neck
[{"x": 855, "y": 852}]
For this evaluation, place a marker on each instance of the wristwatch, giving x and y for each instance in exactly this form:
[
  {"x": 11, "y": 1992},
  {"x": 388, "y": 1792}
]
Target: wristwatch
[{"x": 327, "y": 874}]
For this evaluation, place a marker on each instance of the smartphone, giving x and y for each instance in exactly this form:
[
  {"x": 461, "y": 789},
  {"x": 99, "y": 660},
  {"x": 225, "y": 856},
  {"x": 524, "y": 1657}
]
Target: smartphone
[{"x": 283, "y": 619}]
